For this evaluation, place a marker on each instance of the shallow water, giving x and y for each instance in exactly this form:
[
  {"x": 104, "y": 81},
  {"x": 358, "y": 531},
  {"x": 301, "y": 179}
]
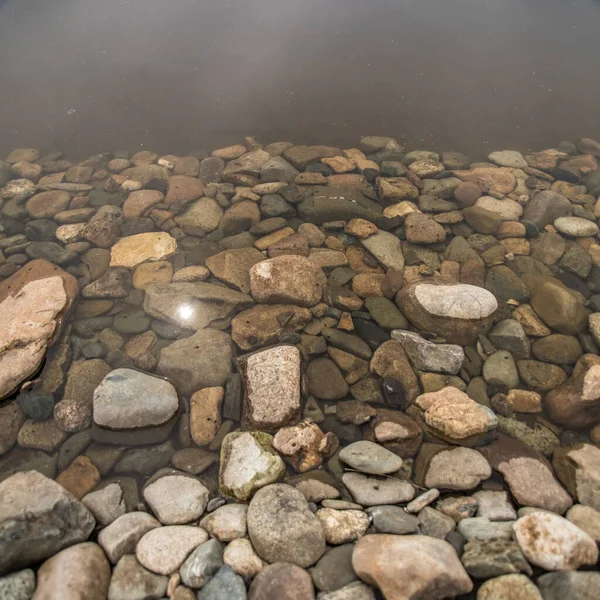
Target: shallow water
[{"x": 473, "y": 75}]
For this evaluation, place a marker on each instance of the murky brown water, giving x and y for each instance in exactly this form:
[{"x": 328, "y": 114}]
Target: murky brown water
[{"x": 173, "y": 76}]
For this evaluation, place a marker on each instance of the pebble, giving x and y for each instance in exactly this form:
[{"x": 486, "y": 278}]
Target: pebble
[
  {"x": 224, "y": 585},
  {"x": 202, "y": 564},
  {"x": 241, "y": 557},
  {"x": 131, "y": 580},
  {"x": 509, "y": 587},
  {"x": 427, "y": 356},
  {"x": 370, "y": 491},
  {"x": 343, "y": 526},
  {"x": 282, "y": 581},
  {"x": 576, "y": 226},
  {"x": 575, "y": 585},
  {"x": 106, "y": 504},
  {"x": 226, "y": 523},
  {"x": 19, "y": 585}
]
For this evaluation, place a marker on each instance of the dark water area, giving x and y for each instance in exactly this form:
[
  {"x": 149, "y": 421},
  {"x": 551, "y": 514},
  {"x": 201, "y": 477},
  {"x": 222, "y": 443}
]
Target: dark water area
[{"x": 473, "y": 75}]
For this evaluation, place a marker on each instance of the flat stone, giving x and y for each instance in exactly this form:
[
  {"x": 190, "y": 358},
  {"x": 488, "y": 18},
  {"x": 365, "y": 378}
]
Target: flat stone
[
  {"x": 455, "y": 469},
  {"x": 481, "y": 528},
  {"x": 368, "y": 457},
  {"x": 457, "y": 312},
  {"x": 528, "y": 475},
  {"x": 410, "y": 567},
  {"x": 325, "y": 381},
  {"x": 39, "y": 518},
  {"x": 163, "y": 550},
  {"x": 80, "y": 571},
  {"x": 392, "y": 519},
  {"x": 553, "y": 543},
  {"x": 233, "y": 266},
  {"x": 507, "y": 210},
  {"x": 547, "y": 206},
  {"x": 266, "y": 324},
  {"x": 272, "y": 387},
  {"x": 494, "y": 505},
  {"x": 127, "y": 400},
  {"x": 428, "y": 356},
  {"x": 576, "y": 226},
  {"x": 122, "y": 535},
  {"x": 199, "y": 361},
  {"x": 176, "y": 499},
  {"x": 282, "y": 527},
  {"x": 386, "y": 248},
  {"x": 334, "y": 569},
  {"x": 114, "y": 283},
  {"x": 47, "y": 204},
  {"x": 391, "y": 360},
  {"x": 451, "y": 414},
  {"x": 434, "y": 523},
  {"x": 193, "y": 305},
  {"x": 248, "y": 462},
  {"x": 134, "y": 250},
  {"x": 30, "y": 320},
  {"x": 373, "y": 491},
  {"x": 287, "y": 280},
  {"x": 508, "y": 158}
]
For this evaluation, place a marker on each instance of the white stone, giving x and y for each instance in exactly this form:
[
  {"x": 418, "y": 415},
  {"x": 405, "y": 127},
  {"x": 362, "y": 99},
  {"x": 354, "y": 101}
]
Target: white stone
[
  {"x": 73, "y": 232},
  {"x": 163, "y": 550},
  {"x": 460, "y": 301},
  {"x": 176, "y": 499},
  {"x": 248, "y": 462},
  {"x": 553, "y": 543},
  {"x": 576, "y": 226},
  {"x": 343, "y": 526}
]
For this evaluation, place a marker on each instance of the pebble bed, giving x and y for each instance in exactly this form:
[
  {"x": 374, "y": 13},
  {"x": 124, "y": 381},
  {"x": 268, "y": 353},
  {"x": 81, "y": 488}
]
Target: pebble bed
[{"x": 294, "y": 372}]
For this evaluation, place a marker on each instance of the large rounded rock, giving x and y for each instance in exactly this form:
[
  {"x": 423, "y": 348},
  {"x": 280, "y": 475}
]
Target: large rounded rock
[
  {"x": 553, "y": 543},
  {"x": 410, "y": 567},
  {"x": 282, "y": 527},
  {"x": 127, "y": 401},
  {"x": 287, "y": 280},
  {"x": 47, "y": 204},
  {"x": 544, "y": 208},
  {"x": 458, "y": 312},
  {"x": 282, "y": 581},
  {"x": 38, "y": 517}
]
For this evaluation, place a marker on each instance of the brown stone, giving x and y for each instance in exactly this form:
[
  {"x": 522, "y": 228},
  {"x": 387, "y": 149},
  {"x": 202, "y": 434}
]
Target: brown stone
[
  {"x": 140, "y": 202},
  {"x": 233, "y": 266},
  {"x": 500, "y": 180},
  {"x": 360, "y": 228},
  {"x": 11, "y": 419},
  {"x": 267, "y": 324},
  {"x": 136, "y": 249},
  {"x": 47, "y": 204},
  {"x": 421, "y": 229},
  {"x": 205, "y": 414},
  {"x": 395, "y": 431},
  {"x": 80, "y": 477},
  {"x": 282, "y": 581},
  {"x": 154, "y": 272},
  {"x": 183, "y": 189},
  {"x": 391, "y": 360},
  {"x": 367, "y": 285}
]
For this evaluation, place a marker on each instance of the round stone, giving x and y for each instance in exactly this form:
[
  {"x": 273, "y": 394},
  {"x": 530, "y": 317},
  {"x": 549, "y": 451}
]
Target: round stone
[
  {"x": 574, "y": 226},
  {"x": 369, "y": 457}
]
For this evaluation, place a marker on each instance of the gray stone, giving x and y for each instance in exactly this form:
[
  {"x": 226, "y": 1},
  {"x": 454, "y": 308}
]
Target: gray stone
[
  {"x": 106, "y": 504},
  {"x": 544, "y": 208},
  {"x": 325, "y": 380},
  {"x": 38, "y": 518},
  {"x": 146, "y": 460},
  {"x": 509, "y": 335},
  {"x": 489, "y": 558},
  {"x": 282, "y": 527},
  {"x": 456, "y": 469},
  {"x": 123, "y": 534},
  {"x": 372, "y": 491},
  {"x": 571, "y": 585},
  {"x": 128, "y": 400},
  {"x": 428, "y": 356},
  {"x": 334, "y": 569},
  {"x": 500, "y": 371},
  {"x": 434, "y": 523},
  {"x": 353, "y": 591},
  {"x": 131, "y": 581},
  {"x": 202, "y": 564},
  {"x": 385, "y": 313},
  {"x": 224, "y": 585},
  {"x": 481, "y": 528},
  {"x": 494, "y": 505},
  {"x": 199, "y": 361},
  {"x": 193, "y": 305},
  {"x": 386, "y": 248},
  {"x": 348, "y": 342},
  {"x": 368, "y": 457},
  {"x": 333, "y": 203},
  {"x": 392, "y": 519},
  {"x": 282, "y": 581},
  {"x": 18, "y": 586}
]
